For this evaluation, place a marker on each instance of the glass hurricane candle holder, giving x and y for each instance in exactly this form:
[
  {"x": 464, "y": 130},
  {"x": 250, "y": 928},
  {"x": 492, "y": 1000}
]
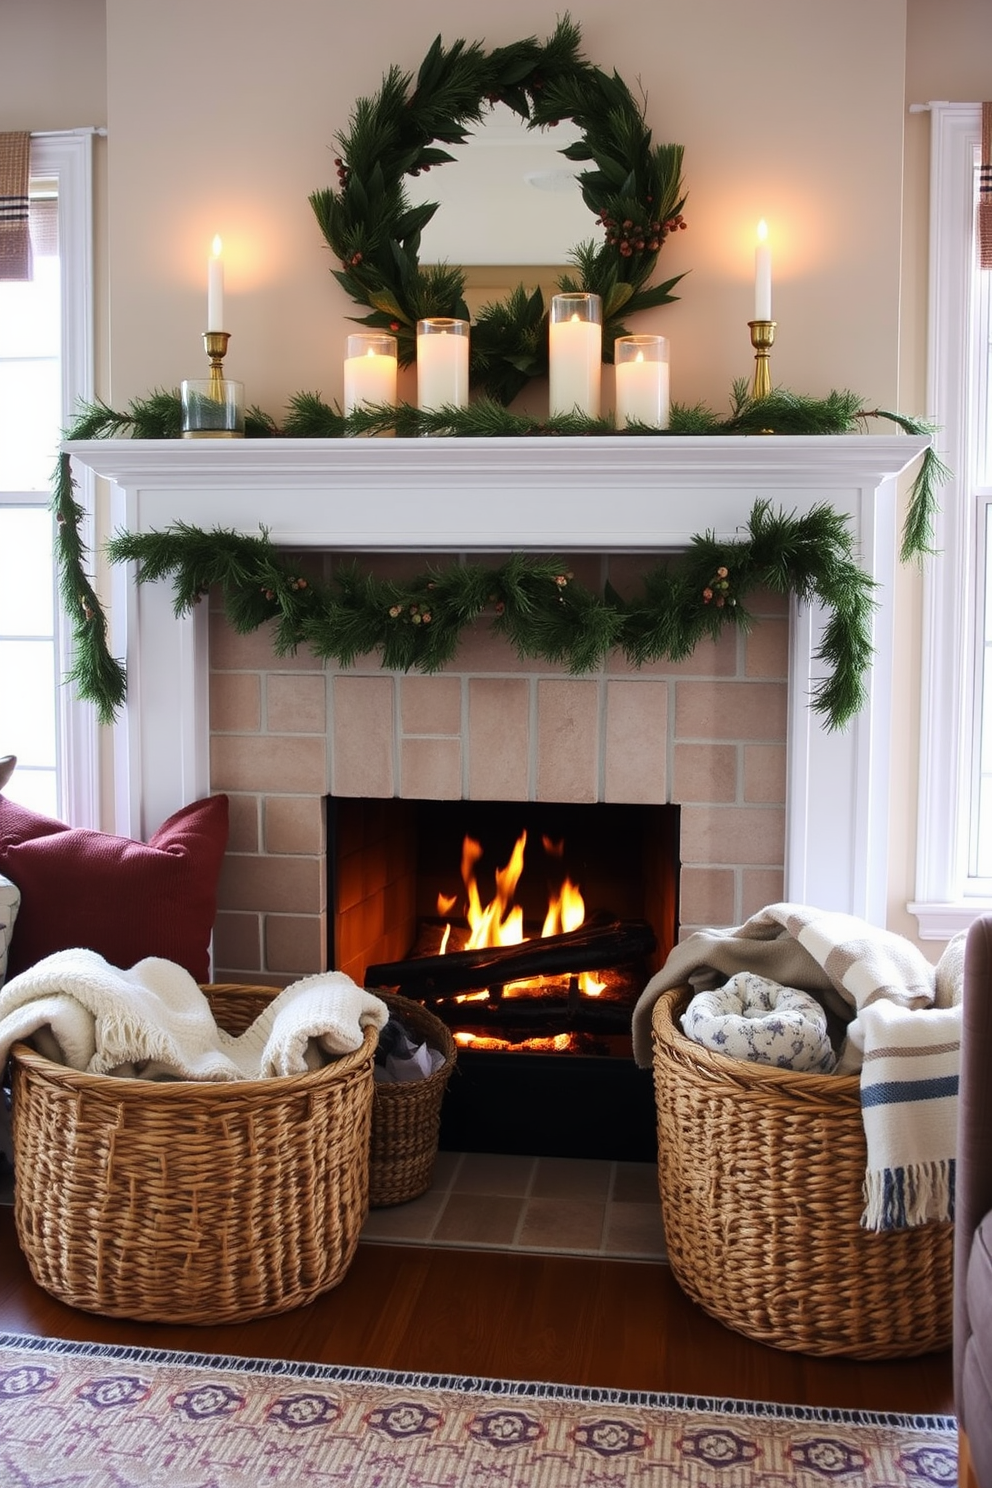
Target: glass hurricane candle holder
[
  {"x": 575, "y": 354},
  {"x": 213, "y": 408},
  {"x": 370, "y": 370},
  {"x": 642, "y": 380},
  {"x": 442, "y": 363}
]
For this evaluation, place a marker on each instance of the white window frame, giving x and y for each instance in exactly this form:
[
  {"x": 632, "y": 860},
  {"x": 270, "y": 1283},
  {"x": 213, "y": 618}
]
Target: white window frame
[
  {"x": 68, "y": 157},
  {"x": 943, "y": 905}
]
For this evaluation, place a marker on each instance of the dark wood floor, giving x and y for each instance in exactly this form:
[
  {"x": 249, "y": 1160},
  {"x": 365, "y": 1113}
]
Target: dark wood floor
[{"x": 618, "y": 1324}]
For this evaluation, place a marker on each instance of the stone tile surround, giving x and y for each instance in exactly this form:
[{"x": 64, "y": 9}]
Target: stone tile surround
[{"x": 708, "y": 733}]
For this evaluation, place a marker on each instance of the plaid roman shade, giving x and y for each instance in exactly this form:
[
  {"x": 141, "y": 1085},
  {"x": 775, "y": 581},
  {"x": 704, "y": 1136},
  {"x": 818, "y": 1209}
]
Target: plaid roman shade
[{"x": 15, "y": 236}]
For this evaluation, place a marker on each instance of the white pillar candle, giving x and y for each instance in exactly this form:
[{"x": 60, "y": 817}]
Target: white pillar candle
[
  {"x": 642, "y": 380},
  {"x": 369, "y": 371},
  {"x": 575, "y": 354},
  {"x": 442, "y": 363},
  {"x": 762, "y": 275},
  {"x": 215, "y": 288}
]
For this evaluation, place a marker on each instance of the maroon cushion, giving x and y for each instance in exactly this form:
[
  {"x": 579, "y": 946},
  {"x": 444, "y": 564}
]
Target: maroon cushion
[{"x": 123, "y": 898}]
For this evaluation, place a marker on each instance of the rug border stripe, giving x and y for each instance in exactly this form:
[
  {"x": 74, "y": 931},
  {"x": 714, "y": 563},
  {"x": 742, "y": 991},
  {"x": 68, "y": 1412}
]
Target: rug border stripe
[{"x": 471, "y": 1384}]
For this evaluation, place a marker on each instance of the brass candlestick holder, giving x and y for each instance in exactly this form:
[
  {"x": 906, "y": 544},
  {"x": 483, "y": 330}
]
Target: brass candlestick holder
[
  {"x": 762, "y": 339},
  {"x": 213, "y": 406}
]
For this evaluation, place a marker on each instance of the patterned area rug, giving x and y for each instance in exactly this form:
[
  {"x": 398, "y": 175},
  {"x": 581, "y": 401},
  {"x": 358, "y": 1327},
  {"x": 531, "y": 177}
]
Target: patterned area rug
[{"x": 84, "y": 1414}]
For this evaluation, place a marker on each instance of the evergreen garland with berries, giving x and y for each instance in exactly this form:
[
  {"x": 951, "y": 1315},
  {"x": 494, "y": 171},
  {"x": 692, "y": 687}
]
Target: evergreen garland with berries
[{"x": 632, "y": 186}]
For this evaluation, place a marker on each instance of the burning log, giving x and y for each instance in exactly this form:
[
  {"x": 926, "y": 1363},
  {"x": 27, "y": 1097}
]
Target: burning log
[{"x": 593, "y": 947}]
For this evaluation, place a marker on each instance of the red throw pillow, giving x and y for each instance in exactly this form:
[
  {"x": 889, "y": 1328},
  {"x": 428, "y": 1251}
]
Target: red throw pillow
[{"x": 123, "y": 898}]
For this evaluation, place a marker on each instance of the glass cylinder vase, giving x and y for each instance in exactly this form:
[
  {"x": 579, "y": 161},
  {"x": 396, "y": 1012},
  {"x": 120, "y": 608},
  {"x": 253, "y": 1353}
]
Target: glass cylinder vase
[
  {"x": 370, "y": 370},
  {"x": 575, "y": 354},
  {"x": 442, "y": 363},
  {"x": 212, "y": 408},
  {"x": 642, "y": 380}
]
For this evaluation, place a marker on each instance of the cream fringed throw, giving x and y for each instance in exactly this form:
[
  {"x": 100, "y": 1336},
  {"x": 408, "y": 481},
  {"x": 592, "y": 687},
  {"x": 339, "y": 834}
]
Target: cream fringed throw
[
  {"x": 904, "y": 1036},
  {"x": 153, "y": 1022},
  {"x": 15, "y": 233}
]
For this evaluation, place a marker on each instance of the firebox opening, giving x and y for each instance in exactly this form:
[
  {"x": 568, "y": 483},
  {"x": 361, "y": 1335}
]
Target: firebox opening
[{"x": 544, "y": 1065}]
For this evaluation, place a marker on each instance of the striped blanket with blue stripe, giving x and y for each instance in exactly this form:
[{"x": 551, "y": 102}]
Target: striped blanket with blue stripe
[{"x": 909, "y": 1102}]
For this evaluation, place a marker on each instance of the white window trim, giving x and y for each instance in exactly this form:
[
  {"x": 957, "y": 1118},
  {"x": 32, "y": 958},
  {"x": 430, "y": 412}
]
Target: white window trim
[
  {"x": 942, "y": 907},
  {"x": 68, "y": 156}
]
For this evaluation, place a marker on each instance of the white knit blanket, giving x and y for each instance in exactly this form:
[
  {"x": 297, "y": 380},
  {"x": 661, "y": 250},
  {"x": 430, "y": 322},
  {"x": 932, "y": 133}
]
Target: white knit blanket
[
  {"x": 751, "y": 1017},
  {"x": 153, "y": 1022},
  {"x": 904, "y": 1036}
]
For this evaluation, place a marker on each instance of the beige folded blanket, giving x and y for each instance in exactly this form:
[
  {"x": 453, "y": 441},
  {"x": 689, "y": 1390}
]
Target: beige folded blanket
[{"x": 153, "y": 1021}]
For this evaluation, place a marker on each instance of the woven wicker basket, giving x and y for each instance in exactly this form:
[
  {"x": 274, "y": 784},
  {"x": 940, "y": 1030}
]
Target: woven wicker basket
[
  {"x": 190, "y": 1201},
  {"x": 761, "y": 1172},
  {"x": 406, "y": 1118}
]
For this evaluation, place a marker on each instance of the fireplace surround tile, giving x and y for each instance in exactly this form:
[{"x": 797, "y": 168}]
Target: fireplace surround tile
[
  {"x": 243, "y": 835},
  {"x": 296, "y": 705},
  {"x": 498, "y": 738},
  {"x": 766, "y": 649},
  {"x": 431, "y": 769},
  {"x": 707, "y": 896},
  {"x": 636, "y": 742},
  {"x": 728, "y": 709},
  {"x": 567, "y": 739},
  {"x": 362, "y": 746},
  {"x": 430, "y": 705},
  {"x": 268, "y": 762},
  {"x": 236, "y": 702},
  {"x": 293, "y": 825},
  {"x": 293, "y": 943},
  {"x": 764, "y": 773},
  {"x": 706, "y": 772},
  {"x": 760, "y": 886}
]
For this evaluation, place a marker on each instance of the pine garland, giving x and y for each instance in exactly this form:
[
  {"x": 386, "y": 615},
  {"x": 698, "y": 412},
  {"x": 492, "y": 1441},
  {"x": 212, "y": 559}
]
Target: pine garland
[
  {"x": 632, "y": 186},
  {"x": 534, "y": 603},
  {"x": 530, "y": 601}
]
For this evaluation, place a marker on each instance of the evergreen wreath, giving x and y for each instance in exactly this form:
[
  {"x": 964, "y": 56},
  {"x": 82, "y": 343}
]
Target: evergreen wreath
[
  {"x": 530, "y": 600},
  {"x": 632, "y": 186}
]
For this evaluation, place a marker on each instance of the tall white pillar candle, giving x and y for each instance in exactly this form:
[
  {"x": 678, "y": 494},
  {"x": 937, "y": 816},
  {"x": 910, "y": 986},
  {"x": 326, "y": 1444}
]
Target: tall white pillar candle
[
  {"x": 215, "y": 288},
  {"x": 762, "y": 275},
  {"x": 575, "y": 354},
  {"x": 442, "y": 363},
  {"x": 369, "y": 371},
  {"x": 642, "y": 380}
]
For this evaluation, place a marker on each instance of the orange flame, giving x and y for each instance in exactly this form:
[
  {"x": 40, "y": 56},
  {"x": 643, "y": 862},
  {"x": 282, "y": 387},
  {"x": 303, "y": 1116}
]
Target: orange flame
[{"x": 501, "y": 922}]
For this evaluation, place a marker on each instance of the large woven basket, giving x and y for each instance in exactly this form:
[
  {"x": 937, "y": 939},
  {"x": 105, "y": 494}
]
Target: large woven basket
[
  {"x": 190, "y": 1201},
  {"x": 760, "y": 1172},
  {"x": 406, "y": 1118}
]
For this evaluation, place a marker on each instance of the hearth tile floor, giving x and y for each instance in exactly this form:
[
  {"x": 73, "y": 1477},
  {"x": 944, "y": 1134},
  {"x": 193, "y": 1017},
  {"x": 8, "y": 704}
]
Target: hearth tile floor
[
  {"x": 487, "y": 1201},
  {"x": 562, "y": 1205}
]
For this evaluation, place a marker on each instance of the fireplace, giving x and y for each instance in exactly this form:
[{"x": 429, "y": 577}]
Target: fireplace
[
  {"x": 772, "y": 803},
  {"x": 570, "y": 908}
]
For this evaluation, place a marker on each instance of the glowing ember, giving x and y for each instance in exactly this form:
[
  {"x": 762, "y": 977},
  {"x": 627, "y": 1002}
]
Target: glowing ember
[{"x": 555, "y": 1045}]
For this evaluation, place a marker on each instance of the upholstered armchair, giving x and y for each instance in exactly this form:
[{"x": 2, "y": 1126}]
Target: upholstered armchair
[{"x": 973, "y": 1218}]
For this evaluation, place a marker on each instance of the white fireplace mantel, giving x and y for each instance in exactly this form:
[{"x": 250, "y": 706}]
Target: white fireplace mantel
[{"x": 489, "y": 495}]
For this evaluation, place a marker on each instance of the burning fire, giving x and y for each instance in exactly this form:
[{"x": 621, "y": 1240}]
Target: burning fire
[{"x": 501, "y": 922}]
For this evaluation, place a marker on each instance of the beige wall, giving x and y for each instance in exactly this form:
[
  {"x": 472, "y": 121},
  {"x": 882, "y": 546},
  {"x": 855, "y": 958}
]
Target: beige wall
[{"x": 223, "y": 117}]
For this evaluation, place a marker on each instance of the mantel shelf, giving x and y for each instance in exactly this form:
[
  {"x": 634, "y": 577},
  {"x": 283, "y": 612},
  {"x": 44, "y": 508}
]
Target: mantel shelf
[{"x": 618, "y": 494}]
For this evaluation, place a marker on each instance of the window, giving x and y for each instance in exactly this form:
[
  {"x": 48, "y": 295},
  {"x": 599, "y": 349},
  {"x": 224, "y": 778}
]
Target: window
[
  {"x": 954, "y": 854},
  {"x": 46, "y": 362}
]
